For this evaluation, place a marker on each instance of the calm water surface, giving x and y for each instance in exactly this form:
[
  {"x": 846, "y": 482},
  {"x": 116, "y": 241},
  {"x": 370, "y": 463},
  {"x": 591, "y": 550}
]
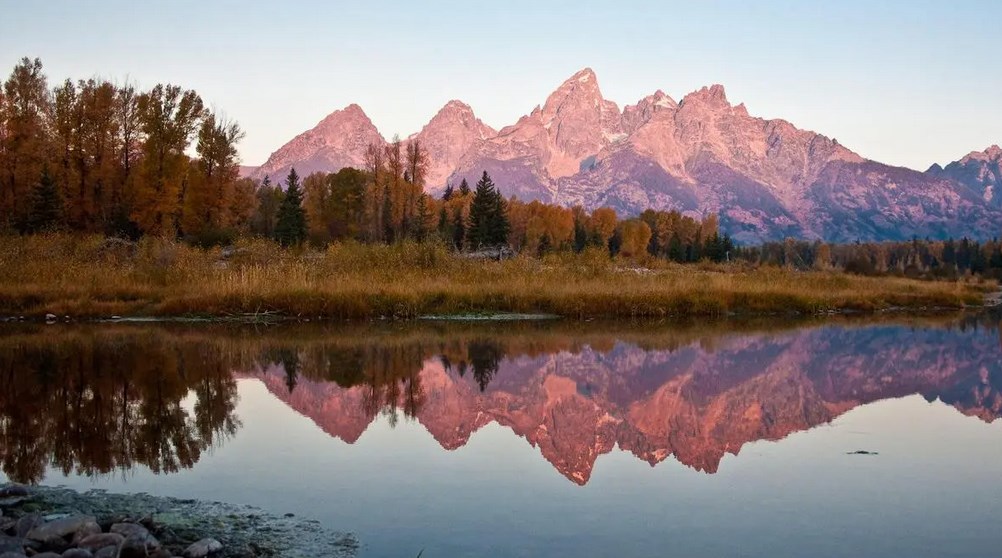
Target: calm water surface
[{"x": 732, "y": 439}]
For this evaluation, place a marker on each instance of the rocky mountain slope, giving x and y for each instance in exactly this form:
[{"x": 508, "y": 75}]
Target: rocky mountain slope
[
  {"x": 766, "y": 178},
  {"x": 979, "y": 170}
]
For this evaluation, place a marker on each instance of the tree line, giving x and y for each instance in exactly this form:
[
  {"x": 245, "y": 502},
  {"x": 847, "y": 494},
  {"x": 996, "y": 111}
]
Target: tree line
[
  {"x": 916, "y": 258},
  {"x": 92, "y": 156}
]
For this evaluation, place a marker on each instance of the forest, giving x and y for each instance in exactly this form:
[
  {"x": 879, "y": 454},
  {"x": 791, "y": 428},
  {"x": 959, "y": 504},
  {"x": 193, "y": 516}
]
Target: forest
[{"x": 91, "y": 157}]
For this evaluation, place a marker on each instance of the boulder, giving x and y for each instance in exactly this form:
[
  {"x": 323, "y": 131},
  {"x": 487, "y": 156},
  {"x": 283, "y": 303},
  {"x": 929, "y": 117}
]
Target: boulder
[
  {"x": 139, "y": 543},
  {"x": 85, "y": 531},
  {"x": 203, "y": 548},
  {"x": 14, "y": 490},
  {"x": 27, "y": 523},
  {"x": 107, "y": 552},
  {"x": 11, "y": 544},
  {"x": 77, "y": 553},
  {"x": 96, "y": 542},
  {"x": 59, "y": 528}
]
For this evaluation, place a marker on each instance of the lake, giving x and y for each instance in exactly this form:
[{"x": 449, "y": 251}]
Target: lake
[{"x": 841, "y": 437}]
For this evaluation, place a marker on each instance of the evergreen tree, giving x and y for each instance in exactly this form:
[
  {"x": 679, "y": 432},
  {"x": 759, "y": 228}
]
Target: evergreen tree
[
  {"x": 447, "y": 195},
  {"x": 458, "y": 230},
  {"x": 291, "y": 227},
  {"x": 420, "y": 227},
  {"x": 46, "y": 206},
  {"x": 464, "y": 187},
  {"x": 443, "y": 222},
  {"x": 488, "y": 221}
]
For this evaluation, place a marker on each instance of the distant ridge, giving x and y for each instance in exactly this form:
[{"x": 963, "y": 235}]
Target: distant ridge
[{"x": 766, "y": 178}]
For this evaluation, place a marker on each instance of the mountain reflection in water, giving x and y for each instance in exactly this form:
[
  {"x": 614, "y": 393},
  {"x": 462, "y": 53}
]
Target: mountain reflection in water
[{"x": 95, "y": 399}]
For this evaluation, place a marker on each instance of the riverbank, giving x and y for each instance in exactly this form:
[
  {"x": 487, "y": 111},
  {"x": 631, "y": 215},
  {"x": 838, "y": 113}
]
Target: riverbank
[
  {"x": 92, "y": 277},
  {"x": 47, "y": 519}
]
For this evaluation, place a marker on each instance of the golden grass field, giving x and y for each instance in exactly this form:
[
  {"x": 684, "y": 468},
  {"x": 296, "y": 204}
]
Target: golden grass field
[{"x": 85, "y": 277}]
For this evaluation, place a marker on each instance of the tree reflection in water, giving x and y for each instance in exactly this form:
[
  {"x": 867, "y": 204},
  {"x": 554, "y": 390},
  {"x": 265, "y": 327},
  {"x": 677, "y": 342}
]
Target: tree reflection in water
[{"x": 92, "y": 402}]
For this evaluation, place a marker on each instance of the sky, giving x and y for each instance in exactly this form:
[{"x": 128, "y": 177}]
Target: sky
[{"x": 908, "y": 83}]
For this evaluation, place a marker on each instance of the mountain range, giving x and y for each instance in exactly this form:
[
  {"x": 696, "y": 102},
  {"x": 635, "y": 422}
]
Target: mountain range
[{"x": 766, "y": 179}]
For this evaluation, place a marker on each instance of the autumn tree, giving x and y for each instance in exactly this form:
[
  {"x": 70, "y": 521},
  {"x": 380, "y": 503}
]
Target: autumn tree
[
  {"x": 268, "y": 199},
  {"x": 417, "y": 163},
  {"x": 24, "y": 115},
  {"x": 209, "y": 203},
  {"x": 603, "y": 222},
  {"x": 634, "y": 237},
  {"x": 168, "y": 117}
]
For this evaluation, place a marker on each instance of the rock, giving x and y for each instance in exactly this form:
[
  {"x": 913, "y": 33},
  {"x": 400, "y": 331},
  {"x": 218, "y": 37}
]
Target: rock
[
  {"x": 99, "y": 541},
  {"x": 12, "y": 501},
  {"x": 50, "y": 318},
  {"x": 27, "y": 523},
  {"x": 11, "y": 544},
  {"x": 203, "y": 548},
  {"x": 78, "y": 553},
  {"x": 11, "y": 555},
  {"x": 139, "y": 543},
  {"x": 85, "y": 531},
  {"x": 59, "y": 528},
  {"x": 7, "y": 524},
  {"x": 47, "y": 555},
  {"x": 107, "y": 552},
  {"x": 14, "y": 490}
]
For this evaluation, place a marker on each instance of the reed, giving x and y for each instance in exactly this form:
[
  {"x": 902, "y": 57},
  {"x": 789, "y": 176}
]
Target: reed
[{"x": 88, "y": 277}]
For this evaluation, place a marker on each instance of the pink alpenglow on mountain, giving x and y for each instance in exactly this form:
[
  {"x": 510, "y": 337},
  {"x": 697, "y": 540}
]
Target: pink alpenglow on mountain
[{"x": 767, "y": 179}]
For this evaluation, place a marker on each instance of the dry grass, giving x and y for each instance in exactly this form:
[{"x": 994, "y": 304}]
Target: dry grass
[{"x": 83, "y": 278}]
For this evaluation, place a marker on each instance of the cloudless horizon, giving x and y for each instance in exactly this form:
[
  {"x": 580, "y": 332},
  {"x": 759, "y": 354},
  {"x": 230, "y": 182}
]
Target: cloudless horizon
[{"x": 904, "y": 83}]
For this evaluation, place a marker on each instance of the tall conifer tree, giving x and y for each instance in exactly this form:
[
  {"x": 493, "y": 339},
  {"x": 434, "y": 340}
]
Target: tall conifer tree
[{"x": 291, "y": 227}]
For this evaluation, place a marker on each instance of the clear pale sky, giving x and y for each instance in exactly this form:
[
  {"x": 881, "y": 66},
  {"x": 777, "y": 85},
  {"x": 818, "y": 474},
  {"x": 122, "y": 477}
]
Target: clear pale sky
[{"x": 904, "y": 82}]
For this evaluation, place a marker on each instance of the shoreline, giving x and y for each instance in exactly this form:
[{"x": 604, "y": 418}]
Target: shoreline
[
  {"x": 992, "y": 302},
  {"x": 177, "y": 524}
]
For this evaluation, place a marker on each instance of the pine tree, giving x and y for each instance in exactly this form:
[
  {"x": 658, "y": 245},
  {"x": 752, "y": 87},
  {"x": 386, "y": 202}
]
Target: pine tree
[
  {"x": 291, "y": 227},
  {"x": 46, "y": 206},
  {"x": 479, "y": 234},
  {"x": 464, "y": 187},
  {"x": 420, "y": 227},
  {"x": 488, "y": 221},
  {"x": 458, "y": 230},
  {"x": 447, "y": 195}
]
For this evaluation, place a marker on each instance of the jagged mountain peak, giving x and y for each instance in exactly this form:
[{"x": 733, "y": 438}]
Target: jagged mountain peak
[
  {"x": 453, "y": 131},
  {"x": 713, "y": 95},
  {"x": 337, "y": 141},
  {"x": 992, "y": 153}
]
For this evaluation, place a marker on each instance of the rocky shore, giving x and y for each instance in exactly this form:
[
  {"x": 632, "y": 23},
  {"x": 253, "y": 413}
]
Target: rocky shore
[{"x": 49, "y": 522}]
